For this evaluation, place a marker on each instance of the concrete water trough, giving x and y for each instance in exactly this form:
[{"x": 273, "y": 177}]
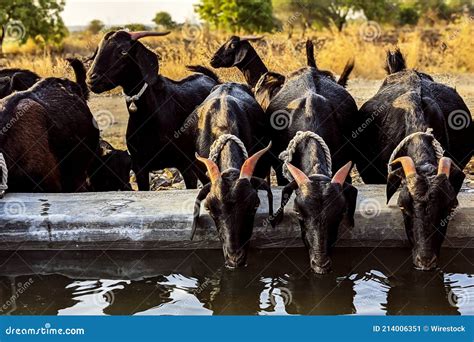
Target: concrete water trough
[{"x": 162, "y": 220}]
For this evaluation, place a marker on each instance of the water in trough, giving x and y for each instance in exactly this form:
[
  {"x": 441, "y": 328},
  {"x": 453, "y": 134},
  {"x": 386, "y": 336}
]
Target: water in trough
[{"x": 275, "y": 282}]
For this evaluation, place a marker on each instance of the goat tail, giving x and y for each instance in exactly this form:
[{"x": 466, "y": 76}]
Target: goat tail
[
  {"x": 203, "y": 70},
  {"x": 80, "y": 72},
  {"x": 346, "y": 73},
  {"x": 310, "y": 60},
  {"x": 395, "y": 61}
]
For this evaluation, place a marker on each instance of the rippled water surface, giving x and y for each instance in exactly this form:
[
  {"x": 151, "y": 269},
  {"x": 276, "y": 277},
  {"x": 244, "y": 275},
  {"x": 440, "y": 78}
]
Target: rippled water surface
[{"x": 364, "y": 281}]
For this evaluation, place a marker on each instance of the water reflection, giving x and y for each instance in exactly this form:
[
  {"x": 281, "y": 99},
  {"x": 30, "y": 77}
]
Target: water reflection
[
  {"x": 364, "y": 281},
  {"x": 328, "y": 295},
  {"x": 35, "y": 295},
  {"x": 419, "y": 293}
]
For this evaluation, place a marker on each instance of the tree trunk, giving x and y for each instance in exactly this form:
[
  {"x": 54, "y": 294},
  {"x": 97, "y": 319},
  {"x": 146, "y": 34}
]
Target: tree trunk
[{"x": 2, "y": 37}]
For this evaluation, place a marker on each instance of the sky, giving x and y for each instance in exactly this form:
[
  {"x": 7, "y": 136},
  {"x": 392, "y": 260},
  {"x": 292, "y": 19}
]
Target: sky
[{"x": 120, "y": 12}]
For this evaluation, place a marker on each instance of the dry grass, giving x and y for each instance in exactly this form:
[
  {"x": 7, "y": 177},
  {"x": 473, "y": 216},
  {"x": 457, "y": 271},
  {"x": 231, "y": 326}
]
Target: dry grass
[{"x": 444, "y": 49}]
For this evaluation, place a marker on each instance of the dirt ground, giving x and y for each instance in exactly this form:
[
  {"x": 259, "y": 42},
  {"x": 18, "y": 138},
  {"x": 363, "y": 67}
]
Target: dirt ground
[{"x": 112, "y": 116}]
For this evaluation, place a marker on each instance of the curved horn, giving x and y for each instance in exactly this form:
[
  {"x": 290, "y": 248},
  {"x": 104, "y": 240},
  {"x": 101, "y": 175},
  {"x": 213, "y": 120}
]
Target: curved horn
[
  {"x": 444, "y": 166},
  {"x": 212, "y": 169},
  {"x": 299, "y": 176},
  {"x": 407, "y": 164},
  {"x": 246, "y": 171},
  {"x": 141, "y": 34},
  {"x": 250, "y": 38},
  {"x": 341, "y": 174}
]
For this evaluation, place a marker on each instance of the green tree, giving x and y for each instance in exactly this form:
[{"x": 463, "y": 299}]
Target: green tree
[
  {"x": 95, "y": 26},
  {"x": 130, "y": 27},
  {"x": 136, "y": 27},
  {"x": 383, "y": 11},
  {"x": 238, "y": 15},
  {"x": 443, "y": 9},
  {"x": 164, "y": 19},
  {"x": 321, "y": 13},
  {"x": 408, "y": 14},
  {"x": 40, "y": 20}
]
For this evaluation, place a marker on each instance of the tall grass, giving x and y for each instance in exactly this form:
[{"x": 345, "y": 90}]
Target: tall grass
[{"x": 440, "y": 50}]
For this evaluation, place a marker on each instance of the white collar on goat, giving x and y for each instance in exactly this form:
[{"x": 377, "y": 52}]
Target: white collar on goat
[{"x": 132, "y": 99}]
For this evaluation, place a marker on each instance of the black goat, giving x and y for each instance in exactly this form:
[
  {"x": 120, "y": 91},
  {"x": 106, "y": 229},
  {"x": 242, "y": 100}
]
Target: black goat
[
  {"x": 231, "y": 196},
  {"x": 12, "y": 80},
  {"x": 311, "y": 61},
  {"x": 158, "y": 106},
  {"x": 398, "y": 117},
  {"x": 321, "y": 202},
  {"x": 409, "y": 101},
  {"x": 48, "y": 136},
  {"x": 110, "y": 170},
  {"x": 237, "y": 52},
  {"x": 270, "y": 83},
  {"x": 309, "y": 101}
]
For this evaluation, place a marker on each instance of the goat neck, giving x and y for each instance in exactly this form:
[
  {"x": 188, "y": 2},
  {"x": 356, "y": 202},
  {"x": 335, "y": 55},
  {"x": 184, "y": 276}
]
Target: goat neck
[
  {"x": 421, "y": 151},
  {"x": 252, "y": 67},
  {"x": 231, "y": 157},
  {"x": 313, "y": 160},
  {"x": 132, "y": 83}
]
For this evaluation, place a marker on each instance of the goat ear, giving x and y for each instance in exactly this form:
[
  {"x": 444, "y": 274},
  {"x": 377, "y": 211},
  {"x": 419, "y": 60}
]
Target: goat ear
[
  {"x": 394, "y": 179},
  {"x": 350, "y": 194},
  {"x": 261, "y": 184},
  {"x": 285, "y": 198},
  {"x": 147, "y": 62},
  {"x": 197, "y": 207},
  {"x": 241, "y": 53},
  {"x": 456, "y": 177}
]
